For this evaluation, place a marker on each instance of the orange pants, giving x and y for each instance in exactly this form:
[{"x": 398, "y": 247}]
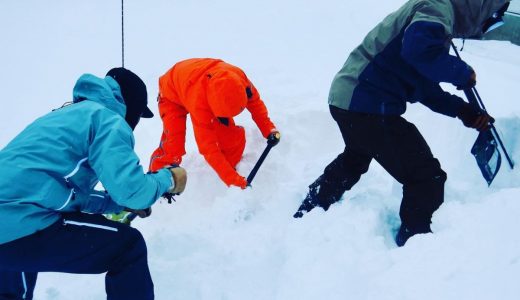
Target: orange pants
[{"x": 231, "y": 140}]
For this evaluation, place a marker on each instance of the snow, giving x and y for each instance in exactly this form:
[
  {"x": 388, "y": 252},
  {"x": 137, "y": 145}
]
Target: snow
[{"x": 220, "y": 243}]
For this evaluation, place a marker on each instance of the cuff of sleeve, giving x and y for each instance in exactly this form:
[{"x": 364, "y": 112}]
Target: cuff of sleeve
[
  {"x": 166, "y": 181},
  {"x": 113, "y": 208},
  {"x": 454, "y": 106},
  {"x": 267, "y": 132}
]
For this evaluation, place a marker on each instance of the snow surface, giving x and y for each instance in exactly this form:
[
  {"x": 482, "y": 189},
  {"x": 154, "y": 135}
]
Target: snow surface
[{"x": 220, "y": 243}]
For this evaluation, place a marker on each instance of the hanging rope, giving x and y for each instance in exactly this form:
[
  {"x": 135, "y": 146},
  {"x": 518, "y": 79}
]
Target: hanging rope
[{"x": 122, "y": 34}]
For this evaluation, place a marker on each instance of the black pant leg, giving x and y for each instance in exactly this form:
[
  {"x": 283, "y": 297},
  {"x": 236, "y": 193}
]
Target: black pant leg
[
  {"x": 17, "y": 285},
  {"x": 407, "y": 157},
  {"x": 402, "y": 151},
  {"x": 339, "y": 176},
  {"x": 345, "y": 170},
  {"x": 84, "y": 244}
]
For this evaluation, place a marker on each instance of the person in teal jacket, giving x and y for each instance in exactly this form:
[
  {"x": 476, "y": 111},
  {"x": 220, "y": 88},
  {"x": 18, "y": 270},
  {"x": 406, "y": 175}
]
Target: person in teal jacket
[{"x": 50, "y": 213}]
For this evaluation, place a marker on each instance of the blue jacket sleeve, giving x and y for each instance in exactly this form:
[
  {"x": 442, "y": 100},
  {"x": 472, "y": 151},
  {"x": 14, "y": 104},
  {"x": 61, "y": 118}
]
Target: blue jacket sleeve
[
  {"x": 112, "y": 157},
  {"x": 425, "y": 46},
  {"x": 435, "y": 98}
]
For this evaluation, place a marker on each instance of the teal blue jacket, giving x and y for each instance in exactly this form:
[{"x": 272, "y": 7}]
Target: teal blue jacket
[{"x": 53, "y": 165}]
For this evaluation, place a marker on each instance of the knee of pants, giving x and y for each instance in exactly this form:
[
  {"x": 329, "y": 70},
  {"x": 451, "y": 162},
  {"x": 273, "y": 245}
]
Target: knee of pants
[
  {"x": 436, "y": 178},
  {"x": 425, "y": 192},
  {"x": 347, "y": 165},
  {"x": 136, "y": 241},
  {"x": 429, "y": 171},
  {"x": 133, "y": 248}
]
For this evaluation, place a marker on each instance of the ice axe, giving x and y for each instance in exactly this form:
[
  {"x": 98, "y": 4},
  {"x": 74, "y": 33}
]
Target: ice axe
[
  {"x": 486, "y": 146},
  {"x": 144, "y": 213},
  {"x": 272, "y": 140}
]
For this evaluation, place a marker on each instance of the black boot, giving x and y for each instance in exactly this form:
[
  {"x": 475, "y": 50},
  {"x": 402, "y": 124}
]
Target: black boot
[
  {"x": 310, "y": 201},
  {"x": 322, "y": 193},
  {"x": 405, "y": 233}
]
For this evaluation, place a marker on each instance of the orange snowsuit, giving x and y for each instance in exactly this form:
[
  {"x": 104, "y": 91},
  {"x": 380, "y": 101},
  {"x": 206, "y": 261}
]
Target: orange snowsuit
[{"x": 207, "y": 89}]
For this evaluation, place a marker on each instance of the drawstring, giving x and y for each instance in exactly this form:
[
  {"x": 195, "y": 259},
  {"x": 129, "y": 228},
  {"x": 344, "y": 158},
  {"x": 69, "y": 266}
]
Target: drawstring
[{"x": 64, "y": 105}]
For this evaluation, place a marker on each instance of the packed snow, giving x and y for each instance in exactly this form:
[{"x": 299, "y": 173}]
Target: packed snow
[{"x": 224, "y": 243}]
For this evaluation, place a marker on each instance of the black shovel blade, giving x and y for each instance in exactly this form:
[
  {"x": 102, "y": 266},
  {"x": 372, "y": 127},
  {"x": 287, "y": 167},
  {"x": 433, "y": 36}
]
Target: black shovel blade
[{"x": 487, "y": 155}]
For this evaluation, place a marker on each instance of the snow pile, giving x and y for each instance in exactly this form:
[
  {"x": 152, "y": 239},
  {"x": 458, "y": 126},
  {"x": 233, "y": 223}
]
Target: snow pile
[{"x": 220, "y": 243}]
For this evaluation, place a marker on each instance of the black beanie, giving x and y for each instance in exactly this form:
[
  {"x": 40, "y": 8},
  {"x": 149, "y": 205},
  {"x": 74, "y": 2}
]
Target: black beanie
[{"x": 134, "y": 94}]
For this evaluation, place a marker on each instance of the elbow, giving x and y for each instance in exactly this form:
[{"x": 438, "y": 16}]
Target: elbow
[
  {"x": 409, "y": 59},
  {"x": 411, "y": 54}
]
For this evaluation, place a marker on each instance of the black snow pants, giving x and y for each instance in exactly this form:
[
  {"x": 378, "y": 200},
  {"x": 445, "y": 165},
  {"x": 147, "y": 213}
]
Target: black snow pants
[{"x": 401, "y": 150}]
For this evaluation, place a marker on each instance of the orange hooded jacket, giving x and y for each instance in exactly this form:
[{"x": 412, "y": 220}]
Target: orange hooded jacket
[{"x": 205, "y": 88}]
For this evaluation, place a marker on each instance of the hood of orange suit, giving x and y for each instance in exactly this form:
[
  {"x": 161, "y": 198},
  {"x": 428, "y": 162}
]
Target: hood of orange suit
[{"x": 226, "y": 93}]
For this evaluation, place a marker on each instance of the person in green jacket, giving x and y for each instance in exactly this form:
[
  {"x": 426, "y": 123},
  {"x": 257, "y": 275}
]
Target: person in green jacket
[
  {"x": 403, "y": 59},
  {"x": 50, "y": 214}
]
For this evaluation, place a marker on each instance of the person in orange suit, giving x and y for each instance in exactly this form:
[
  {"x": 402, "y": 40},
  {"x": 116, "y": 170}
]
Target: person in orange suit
[{"x": 212, "y": 92}]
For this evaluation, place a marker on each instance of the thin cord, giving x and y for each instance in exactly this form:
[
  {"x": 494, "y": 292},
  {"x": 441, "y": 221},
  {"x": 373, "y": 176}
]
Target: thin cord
[{"x": 122, "y": 34}]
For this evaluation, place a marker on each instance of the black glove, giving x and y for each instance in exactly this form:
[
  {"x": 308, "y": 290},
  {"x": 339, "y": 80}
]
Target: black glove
[
  {"x": 273, "y": 138},
  {"x": 169, "y": 197},
  {"x": 475, "y": 118}
]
